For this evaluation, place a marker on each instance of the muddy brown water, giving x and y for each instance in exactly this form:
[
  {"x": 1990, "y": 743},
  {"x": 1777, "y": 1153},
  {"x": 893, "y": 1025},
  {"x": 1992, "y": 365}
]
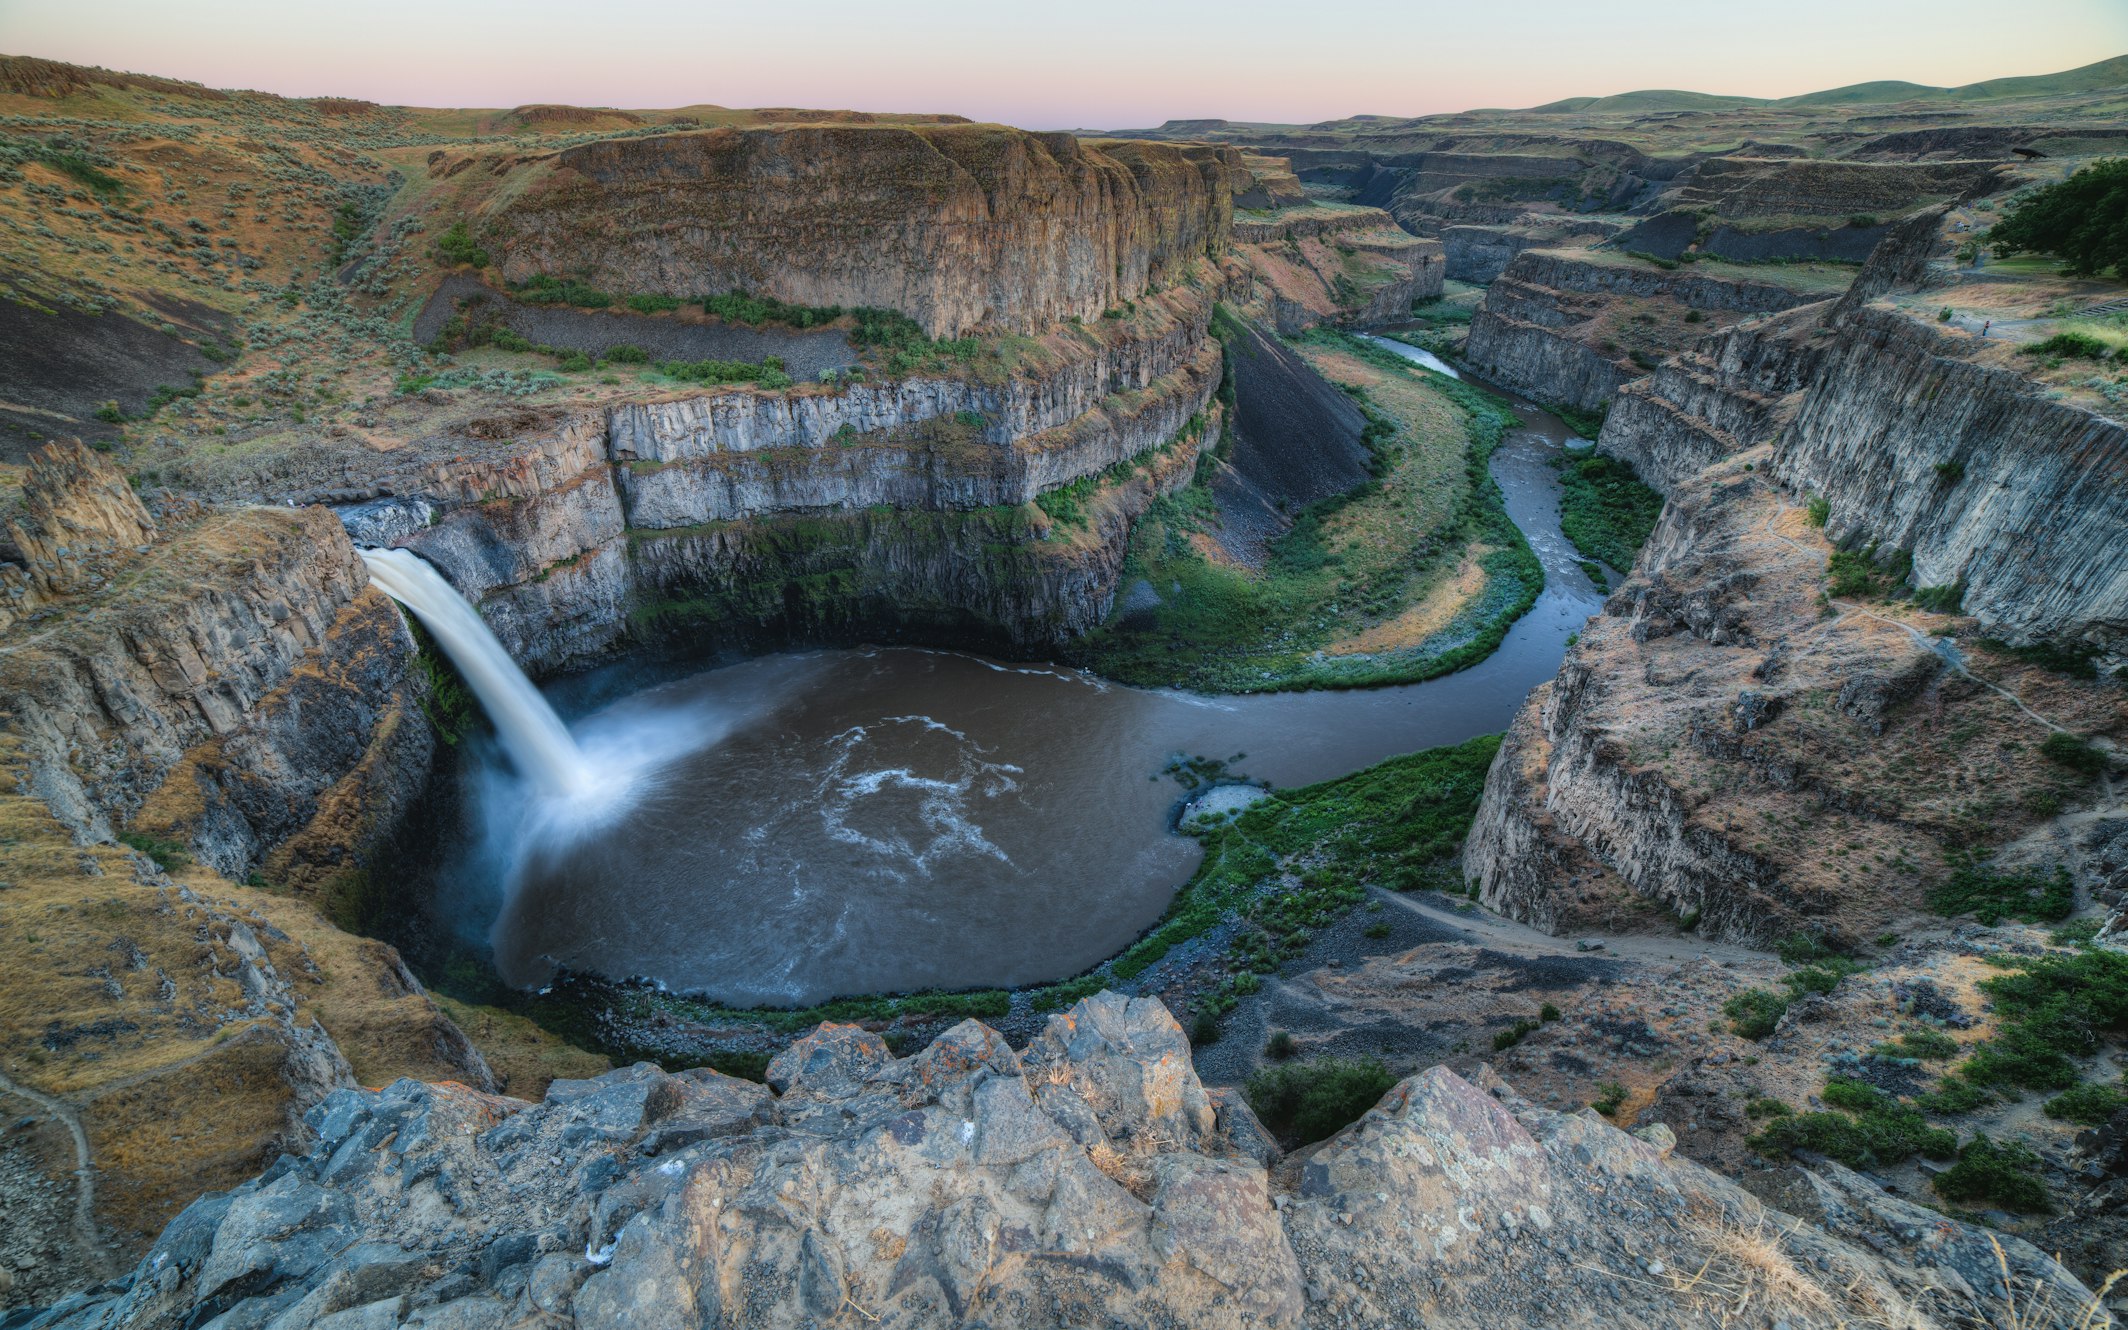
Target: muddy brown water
[{"x": 888, "y": 819}]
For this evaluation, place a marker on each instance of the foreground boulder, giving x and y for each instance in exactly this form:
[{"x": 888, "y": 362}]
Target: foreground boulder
[{"x": 1089, "y": 1181}]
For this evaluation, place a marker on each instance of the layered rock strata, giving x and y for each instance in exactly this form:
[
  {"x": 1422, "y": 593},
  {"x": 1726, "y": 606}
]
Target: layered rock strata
[
  {"x": 1087, "y": 1179},
  {"x": 1338, "y": 264},
  {"x": 957, "y": 226},
  {"x": 1574, "y": 328},
  {"x": 818, "y": 510}
]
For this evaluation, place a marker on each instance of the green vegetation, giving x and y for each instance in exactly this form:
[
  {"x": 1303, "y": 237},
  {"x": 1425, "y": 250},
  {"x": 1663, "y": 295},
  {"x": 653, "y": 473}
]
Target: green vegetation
[
  {"x": 1349, "y": 568},
  {"x": 2005, "y": 1173},
  {"x": 1940, "y": 599},
  {"x": 169, "y": 855},
  {"x": 1281, "y": 1045},
  {"x": 2052, "y": 1010},
  {"x": 1924, "y": 1044},
  {"x": 1991, "y": 896},
  {"x": 1066, "y": 504},
  {"x": 1610, "y": 1097},
  {"x": 1588, "y": 424},
  {"x": 2079, "y": 755},
  {"x": 457, "y": 245},
  {"x": 1816, "y": 510},
  {"x": 446, "y": 701},
  {"x": 1604, "y": 509},
  {"x": 2069, "y": 344},
  {"x": 1305, "y": 1102},
  {"x": 1754, "y": 1013},
  {"x": 2083, "y": 220},
  {"x": 546, "y": 290},
  {"x": 1765, "y": 1107},
  {"x": 1868, "y": 1128},
  {"x": 769, "y": 373},
  {"x": 2089, "y": 1104},
  {"x": 1863, "y": 573},
  {"x": 1514, "y": 1034},
  {"x": 1293, "y": 863},
  {"x": 2078, "y": 660},
  {"x": 754, "y": 311}
]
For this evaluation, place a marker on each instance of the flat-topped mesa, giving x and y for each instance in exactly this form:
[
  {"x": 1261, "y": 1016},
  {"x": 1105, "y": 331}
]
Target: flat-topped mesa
[{"x": 958, "y": 226}]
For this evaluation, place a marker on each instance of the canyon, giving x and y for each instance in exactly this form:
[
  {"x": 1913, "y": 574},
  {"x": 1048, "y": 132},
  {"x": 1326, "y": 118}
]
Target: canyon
[{"x": 667, "y": 390}]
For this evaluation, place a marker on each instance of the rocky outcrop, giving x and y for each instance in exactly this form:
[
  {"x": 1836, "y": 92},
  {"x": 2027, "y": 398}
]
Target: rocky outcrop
[
  {"x": 1917, "y": 443},
  {"x": 812, "y": 510},
  {"x": 1476, "y": 252},
  {"x": 957, "y": 226},
  {"x": 1087, "y": 1179},
  {"x": 1333, "y": 263},
  {"x": 1574, "y": 328}
]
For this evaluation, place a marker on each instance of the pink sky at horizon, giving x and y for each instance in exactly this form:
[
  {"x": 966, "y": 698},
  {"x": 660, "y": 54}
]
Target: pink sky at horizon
[{"x": 1100, "y": 63}]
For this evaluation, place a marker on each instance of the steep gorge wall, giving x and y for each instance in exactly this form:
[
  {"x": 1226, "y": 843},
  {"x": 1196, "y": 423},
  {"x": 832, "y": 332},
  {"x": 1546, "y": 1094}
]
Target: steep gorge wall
[
  {"x": 684, "y": 508},
  {"x": 1554, "y": 326},
  {"x": 957, "y": 226}
]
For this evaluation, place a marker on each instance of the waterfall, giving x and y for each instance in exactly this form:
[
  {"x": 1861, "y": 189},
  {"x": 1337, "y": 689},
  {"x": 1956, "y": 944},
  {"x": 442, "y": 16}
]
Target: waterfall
[{"x": 531, "y": 733}]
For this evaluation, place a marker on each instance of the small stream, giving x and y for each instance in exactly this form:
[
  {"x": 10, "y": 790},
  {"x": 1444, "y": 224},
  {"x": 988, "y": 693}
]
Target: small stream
[{"x": 887, "y": 819}]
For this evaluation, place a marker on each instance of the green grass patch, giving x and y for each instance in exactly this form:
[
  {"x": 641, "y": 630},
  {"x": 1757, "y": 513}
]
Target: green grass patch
[
  {"x": 1348, "y": 564},
  {"x": 1604, "y": 509},
  {"x": 169, "y": 855}
]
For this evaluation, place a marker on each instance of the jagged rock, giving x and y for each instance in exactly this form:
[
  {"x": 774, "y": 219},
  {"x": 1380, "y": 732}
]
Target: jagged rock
[{"x": 1079, "y": 1184}]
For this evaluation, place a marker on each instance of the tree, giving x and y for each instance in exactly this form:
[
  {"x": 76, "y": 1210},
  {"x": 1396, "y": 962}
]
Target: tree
[{"x": 2083, "y": 219}]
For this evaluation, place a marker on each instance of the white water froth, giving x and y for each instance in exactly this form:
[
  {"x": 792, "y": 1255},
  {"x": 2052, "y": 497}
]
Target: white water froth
[{"x": 531, "y": 733}]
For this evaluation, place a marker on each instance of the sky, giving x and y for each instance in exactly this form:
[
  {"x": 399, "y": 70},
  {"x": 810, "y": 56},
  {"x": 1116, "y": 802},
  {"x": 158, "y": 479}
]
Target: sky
[{"x": 1061, "y": 63}]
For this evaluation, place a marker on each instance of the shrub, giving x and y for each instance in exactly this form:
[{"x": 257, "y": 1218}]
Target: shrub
[
  {"x": 545, "y": 290},
  {"x": 1313, "y": 1100},
  {"x": 575, "y": 362},
  {"x": 1513, "y": 1034},
  {"x": 457, "y": 245},
  {"x": 1755, "y": 1013},
  {"x": 2005, "y": 1173},
  {"x": 1376, "y": 930},
  {"x": 1954, "y": 1095},
  {"x": 1928, "y": 1044},
  {"x": 506, "y": 339},
  {"x": 2089, "y": 1104},
  {"x": 1281, "y": 1045},
  {"x": 625, "y": 354},
  {"x": 169, "y": 855},
  {"x": 110, "y": 413},
  {"x": 1945, "y": 315},
  {"x": 1604, "y": 509},
  {"x": 1862, "y": 219},
  {"x": 2076, "y": 754},
  {"x": 1951, "y": 472},
  {"x": 1817, "y": 510},
  {"x": 1875, "y": 1129},
  {"x": 1991, "y": 897},
  {"x": 1610, "y": 1097},
  {"x": 1695, "y": 316},
  {"x": 2053, "y": 1010},
  {"x": 1204, "y": 1028},
  {"x": 1548, "y": 1012},
  {"x": 2083, "y": 219},
  {"x": 1764, "y": 1107},
  {"x": 653, "y": 304},
  {"x": 2064, "y": 344},
  {"x": 1941, "y": 599}
]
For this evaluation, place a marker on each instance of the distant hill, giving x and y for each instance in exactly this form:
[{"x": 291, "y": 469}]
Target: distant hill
[{"x": 2086, "y": 78}]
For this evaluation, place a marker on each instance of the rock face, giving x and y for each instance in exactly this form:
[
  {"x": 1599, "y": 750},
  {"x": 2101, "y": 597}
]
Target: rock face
[
  {"x": 1562, "y": 326},
  {"x": 1721, "y": 704},
  {"x": 898, "y": 505},
  {"x": 1339, "y": 264},
  {"x": 1085, "y": 1180},
  {"x": 957, "y": 226},
  {"x": 1917, "y": 440}
]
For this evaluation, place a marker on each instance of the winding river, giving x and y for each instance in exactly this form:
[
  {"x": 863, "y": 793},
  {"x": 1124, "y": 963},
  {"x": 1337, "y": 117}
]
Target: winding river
[{"x": 885, "y": 819}]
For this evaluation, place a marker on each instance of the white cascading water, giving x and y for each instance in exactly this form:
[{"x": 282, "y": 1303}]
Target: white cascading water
[{"x": 535, "y": 738}]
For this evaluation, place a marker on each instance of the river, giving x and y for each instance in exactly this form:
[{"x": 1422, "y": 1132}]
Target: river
[{"x": 887, "y": 819}]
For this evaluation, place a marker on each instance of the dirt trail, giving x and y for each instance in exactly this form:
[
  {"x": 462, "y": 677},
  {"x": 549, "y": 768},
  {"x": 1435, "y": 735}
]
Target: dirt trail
[{"x": 88, "y": 1242}]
